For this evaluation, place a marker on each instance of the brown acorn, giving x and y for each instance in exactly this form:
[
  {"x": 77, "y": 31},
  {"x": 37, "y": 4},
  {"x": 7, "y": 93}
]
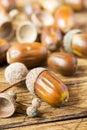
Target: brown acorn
[
  {"x": 4, "y": 46},
  {"x": 63, "y": 63},
  {"x": 51, "y": 37},
  {"x": 47, "y": 86},
  {"x": 75, "y": 41},
  {"x": 31, "y": 54},
  {"x": 64, "y": 18}
]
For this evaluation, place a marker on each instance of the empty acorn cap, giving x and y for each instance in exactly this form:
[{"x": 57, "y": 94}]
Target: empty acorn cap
[
  {"x": 32, "y": 77},
  {"x": 67, "y": 42},
  {"x": 7, "y": 104},
  {"x": 6, "y": 28},
  {"x": 15, "y": 72},
  {"x": 26, "y": 32}
]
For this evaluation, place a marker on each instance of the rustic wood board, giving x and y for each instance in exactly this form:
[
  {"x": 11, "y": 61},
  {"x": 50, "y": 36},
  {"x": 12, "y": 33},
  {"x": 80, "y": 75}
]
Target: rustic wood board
[{"x": 70, "y": 116}]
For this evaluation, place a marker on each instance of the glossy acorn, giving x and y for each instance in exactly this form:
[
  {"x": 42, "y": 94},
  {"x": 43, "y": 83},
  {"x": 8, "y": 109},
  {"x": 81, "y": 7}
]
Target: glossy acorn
[
  {"x": 51, "y": 37},
  {"x": 31, "y": 54},
  {"x": 64, "y": 18},
  {"x": 62, "y": 63},
  {"x": 75, "y": 41},
  {"x": 4, "y": 46},
  {"x": 47, "y": 86}
]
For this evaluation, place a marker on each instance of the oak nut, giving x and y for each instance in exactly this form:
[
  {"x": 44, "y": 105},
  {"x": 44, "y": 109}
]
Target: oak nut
[
  {"x": 15, "y": 72},
  {"x": 63, "y": 63},
  {"x": 47, "y": 86},
  {"x": 4, "y": 46},
  {"x": 64, "y": 18},
  {"x": 51, "y": 37},
  {"x": 75, "y": 41},
  {"x": 31, "y": 55}
]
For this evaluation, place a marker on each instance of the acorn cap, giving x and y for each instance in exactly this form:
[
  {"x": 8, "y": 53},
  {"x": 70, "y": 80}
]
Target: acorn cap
[
  {"x": 15, "y": 72},
  {"x": 32, "y": 77},
  {"x": 7, "y": 104},
  {"x": 26, "y": 32},
  {"x": 67, "y": 42}
]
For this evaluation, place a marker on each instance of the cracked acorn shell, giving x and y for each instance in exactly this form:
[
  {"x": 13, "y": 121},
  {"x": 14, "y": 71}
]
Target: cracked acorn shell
[
  {"x": 32, "y": 55},
  {"x": 47, "y": 86},
  {"x": 51, "y": 37},
  {"x": 63, "y": 63}
]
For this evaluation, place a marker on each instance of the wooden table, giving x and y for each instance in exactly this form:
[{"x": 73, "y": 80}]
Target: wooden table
[{"x": 71, "y": 116}]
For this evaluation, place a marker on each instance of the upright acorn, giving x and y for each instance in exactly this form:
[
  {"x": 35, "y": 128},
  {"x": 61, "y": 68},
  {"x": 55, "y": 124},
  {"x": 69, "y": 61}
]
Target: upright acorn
[
  {"x": 51, "y": 37},
  {"x": 31, "y": 54},
  {"x": 64, "y": 18},
  {"x": 47, "y": 86},
  {"x": 75, "y": 41}
]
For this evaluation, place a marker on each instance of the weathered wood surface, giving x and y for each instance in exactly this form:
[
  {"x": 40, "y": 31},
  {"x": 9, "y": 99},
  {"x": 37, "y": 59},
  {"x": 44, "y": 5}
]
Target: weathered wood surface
[{"x": 73, "y": 115}]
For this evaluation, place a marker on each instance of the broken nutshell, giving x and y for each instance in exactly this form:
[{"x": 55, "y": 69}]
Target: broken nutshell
[{"x": 64, "y": 63}]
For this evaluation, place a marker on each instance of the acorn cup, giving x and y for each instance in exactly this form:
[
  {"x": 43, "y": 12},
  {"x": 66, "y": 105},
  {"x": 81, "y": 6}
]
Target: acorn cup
[
  {"x": 7, "y": 104},
  {"x": 75, "y": 42},
  {"x": 26, "y": 32},
  {"x": 6, "y": 28}
]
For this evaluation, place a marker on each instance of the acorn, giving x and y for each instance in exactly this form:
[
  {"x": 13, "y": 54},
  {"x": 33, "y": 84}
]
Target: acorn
[
  {"x": 76, "y": 5},
  {"x": 63, "y": 63},
  {"x": 51, "y": 37},
  {"x": 47, "y": 86},
  {"x": 15, "y": 72},
  {"x": 31, "y": 54},
  {"x": 7, "y": 104},
  {"x": 75, "y": 42},
  {"x": 64, "y": 18},
  {"x": 4, "y": 46}
]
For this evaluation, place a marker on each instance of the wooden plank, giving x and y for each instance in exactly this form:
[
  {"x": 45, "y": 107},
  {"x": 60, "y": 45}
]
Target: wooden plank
[
  {"x": 80, "y": 124},
  {"x": 75, "y": 108}
]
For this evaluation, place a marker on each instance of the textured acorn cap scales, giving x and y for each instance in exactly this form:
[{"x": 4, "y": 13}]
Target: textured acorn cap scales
[
  {"x": 67, "y": 42},
  {"x": 7, "y": 104},
  {"x": 15, "y": 72},
  {"x": 32, "y": 77}
]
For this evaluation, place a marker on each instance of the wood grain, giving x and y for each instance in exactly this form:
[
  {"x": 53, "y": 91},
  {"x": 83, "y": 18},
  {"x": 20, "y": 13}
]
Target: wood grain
[
  {"x": 55, "y": 118},
  {"x": 80, "y": 124}
]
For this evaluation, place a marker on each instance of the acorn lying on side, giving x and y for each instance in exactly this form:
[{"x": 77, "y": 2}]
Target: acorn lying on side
[
  {"x": 63, "y": 63},
  {"x": 4, "y": 46},
  {"x": 32, "y": 55},
  {"x": 51, "y": 37},
  {"x": 64, "y": 18},
  {"x": 75, "y": 41}
]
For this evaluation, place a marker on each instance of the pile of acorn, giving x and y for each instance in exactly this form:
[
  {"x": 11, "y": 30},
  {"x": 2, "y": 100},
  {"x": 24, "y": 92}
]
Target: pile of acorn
[{"x": 46, "y": 34}]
